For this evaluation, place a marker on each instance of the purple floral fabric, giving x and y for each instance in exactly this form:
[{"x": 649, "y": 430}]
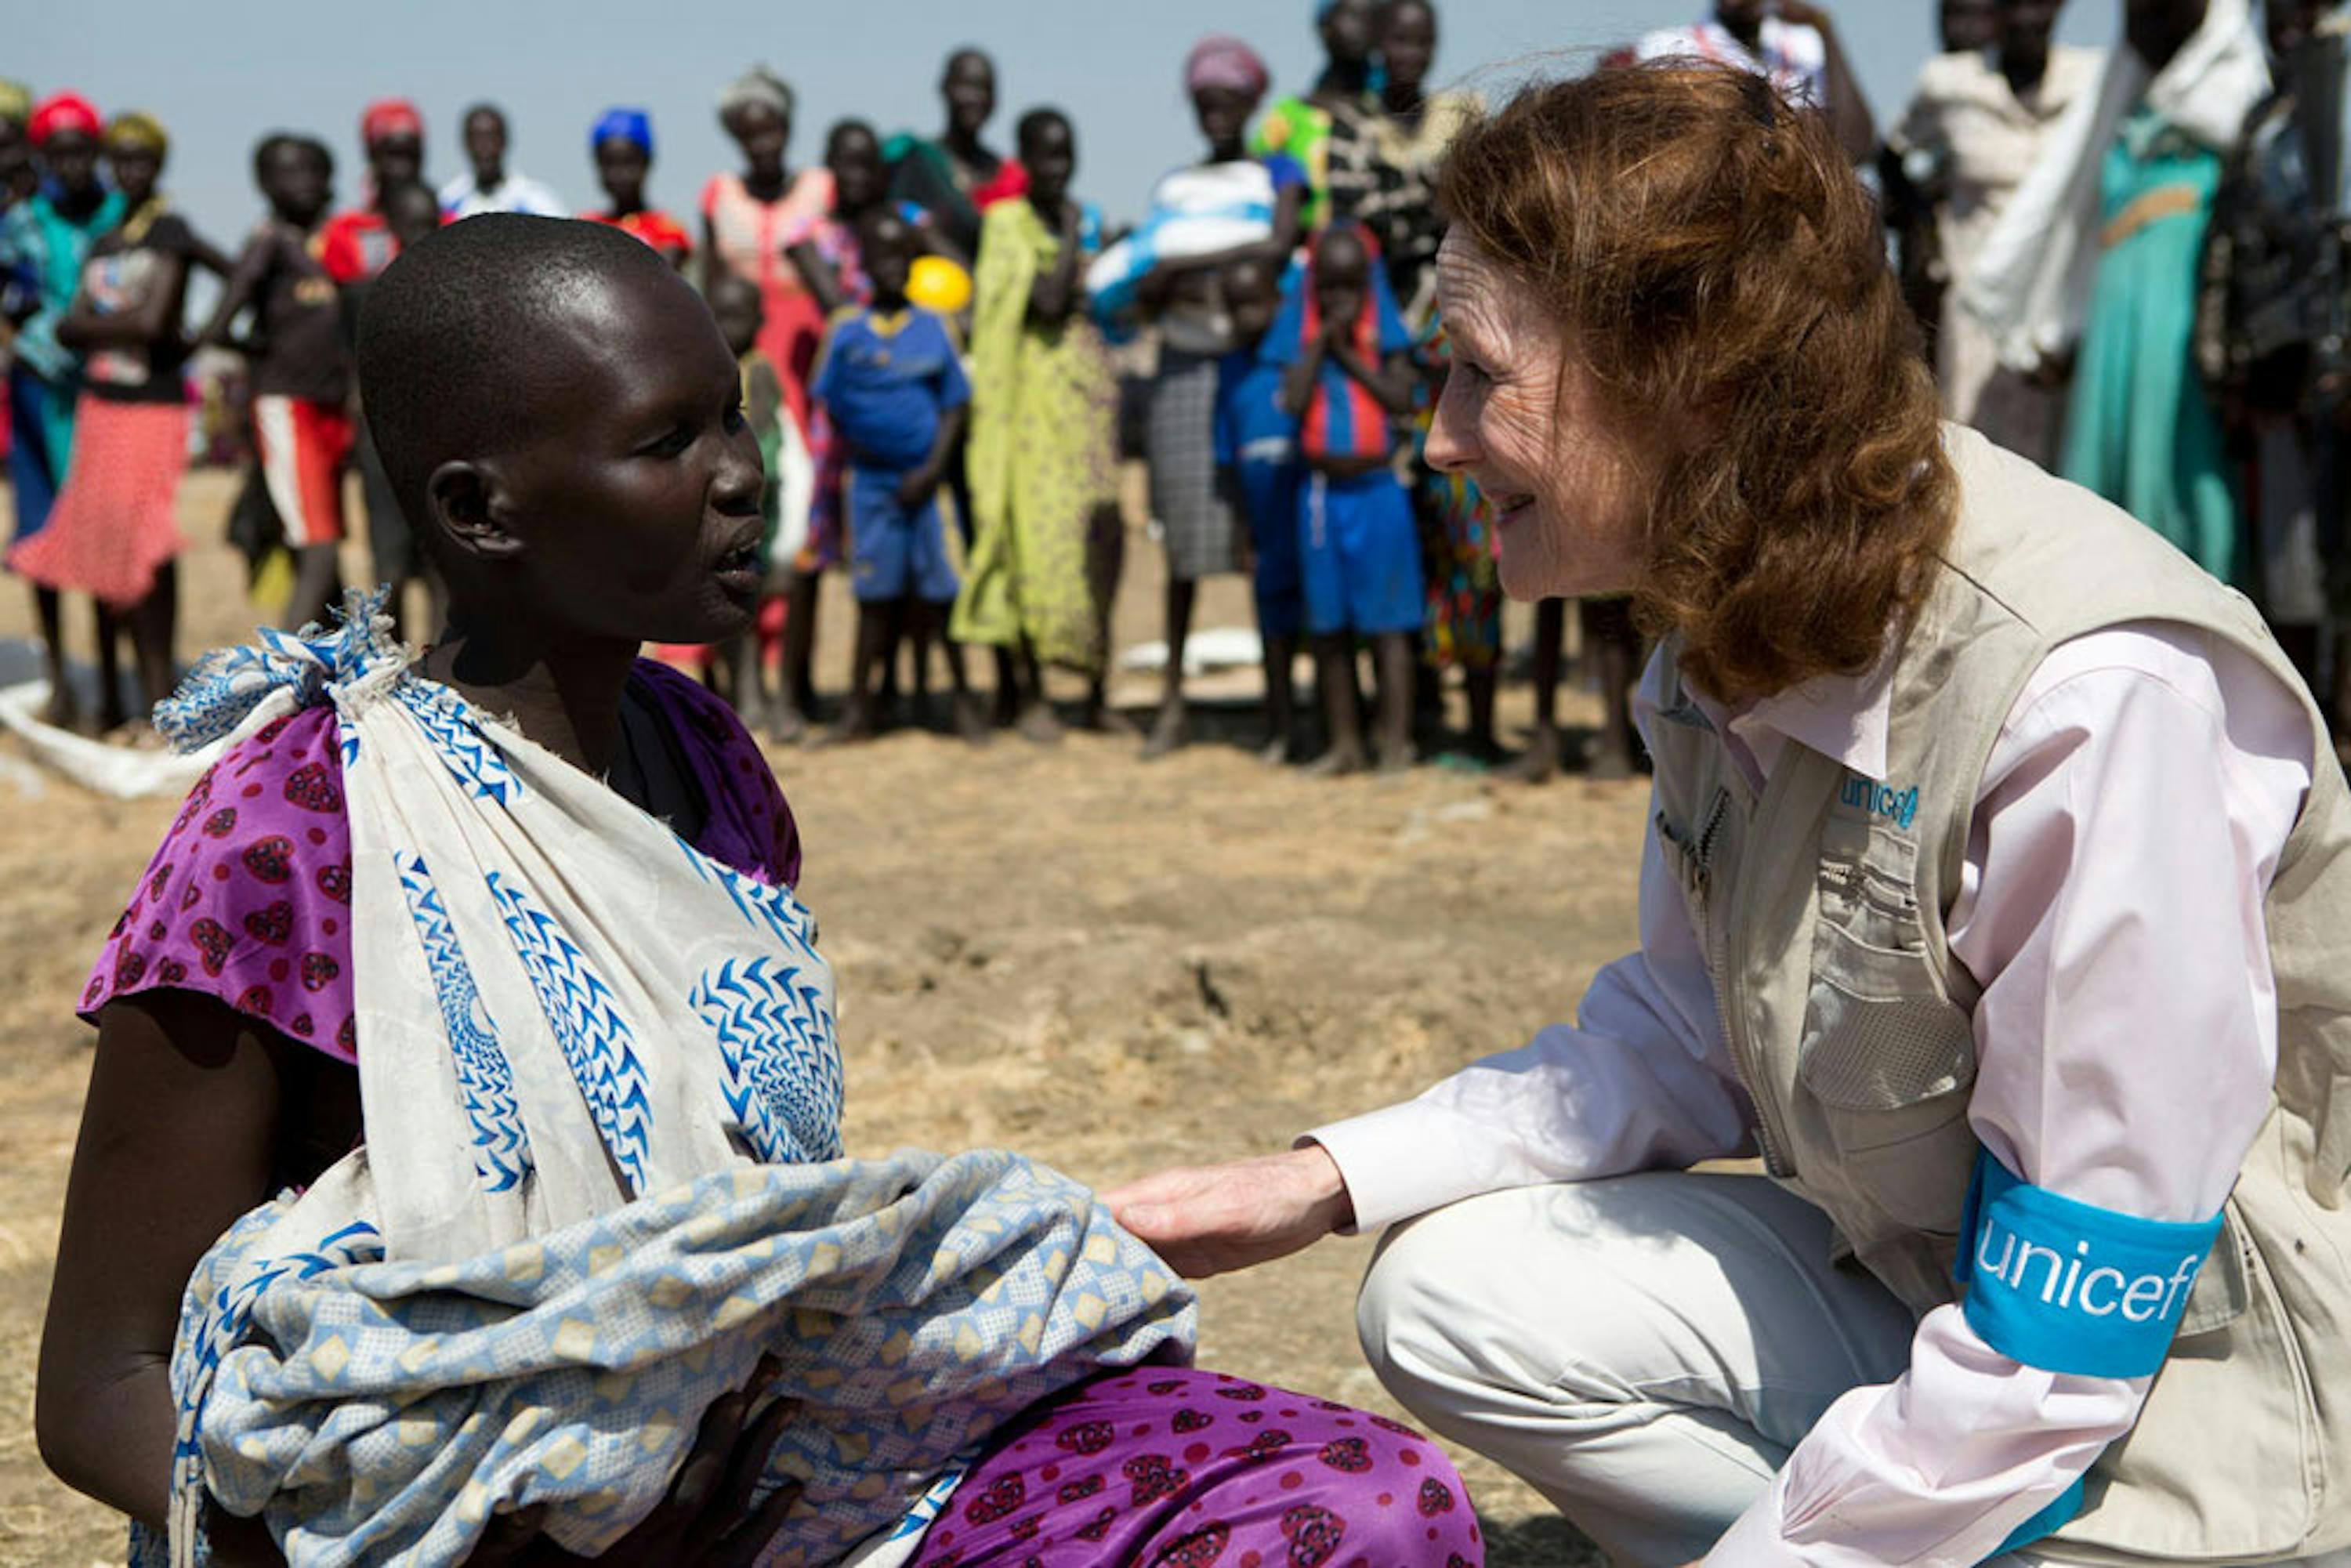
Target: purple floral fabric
[
  {"x": 1183, "y": 1469},
  {"x": 248, "y": 897}
]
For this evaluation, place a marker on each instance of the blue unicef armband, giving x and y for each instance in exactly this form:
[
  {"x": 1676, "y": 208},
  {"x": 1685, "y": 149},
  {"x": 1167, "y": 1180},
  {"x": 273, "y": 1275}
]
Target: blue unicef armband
[{"x": 2068, "y": 1287}]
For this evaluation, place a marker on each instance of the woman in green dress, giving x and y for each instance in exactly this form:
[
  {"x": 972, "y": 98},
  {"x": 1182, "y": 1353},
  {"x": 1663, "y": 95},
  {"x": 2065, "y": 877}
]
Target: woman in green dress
[
  {"x": 2093, "y": 267},
  {"x": 2141, "y": 431},
  {"x": 1042, "y": 458}
]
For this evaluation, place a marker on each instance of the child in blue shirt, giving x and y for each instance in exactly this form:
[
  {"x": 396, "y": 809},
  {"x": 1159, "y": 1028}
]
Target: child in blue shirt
[
  {"x": 891, "y": 380},
  {"x": 1257, "y": 463},
  {"x": 1347, "y": 379}
]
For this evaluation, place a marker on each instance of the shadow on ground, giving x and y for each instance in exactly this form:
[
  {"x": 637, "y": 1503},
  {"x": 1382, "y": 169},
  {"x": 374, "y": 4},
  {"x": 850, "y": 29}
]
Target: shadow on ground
[{"x": 1544, "y": 1541}]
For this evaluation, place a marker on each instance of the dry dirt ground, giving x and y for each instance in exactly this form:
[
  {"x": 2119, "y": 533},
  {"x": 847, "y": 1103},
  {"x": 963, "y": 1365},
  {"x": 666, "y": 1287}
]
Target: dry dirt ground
[{"x": 1109, "y": 964}]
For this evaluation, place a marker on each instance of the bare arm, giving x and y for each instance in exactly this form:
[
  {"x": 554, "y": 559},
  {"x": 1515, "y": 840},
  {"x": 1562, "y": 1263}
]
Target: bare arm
[
  {"x": 1297, "y": 381},
  {"x": 714, "y": 264},
  {"x": 1848, "y": 110},
  {"x": 918, "y": 484},
  {"x": 176, "y": 1142},
  {"x": 85, "y": 327},
  {"x": 1389, "y": 382},
  {"x": 819, "y": 276},
  {"x": 1053, "y": 295},
  {"x": 244, "y": 283},
  {"x": 208, "y": 256}
]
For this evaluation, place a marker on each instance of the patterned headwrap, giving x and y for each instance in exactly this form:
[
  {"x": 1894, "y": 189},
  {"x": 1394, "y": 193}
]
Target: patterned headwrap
[
  {"x": 757, "y": 88},
  {"x": 62, "y": 111},
  {"x": 15, "y": 101},
  {"x": 1222, "y": 60},
  {"x": 633, "y": 126},
  {"x": 136, "y": 131},
  {"x": 389, "y": 117}
]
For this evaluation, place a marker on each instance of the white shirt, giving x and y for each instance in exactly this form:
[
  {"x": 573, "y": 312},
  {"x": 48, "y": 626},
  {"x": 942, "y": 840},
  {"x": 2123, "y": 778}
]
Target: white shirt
[
  {"x": 463, "y": 198},
  {"x": 1795, "y": 57},
  {"x": 2122, "y": 1061}
]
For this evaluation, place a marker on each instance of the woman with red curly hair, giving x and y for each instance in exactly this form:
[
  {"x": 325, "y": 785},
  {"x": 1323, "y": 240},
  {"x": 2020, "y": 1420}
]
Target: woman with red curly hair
[{"x": 1997, "y": 896}]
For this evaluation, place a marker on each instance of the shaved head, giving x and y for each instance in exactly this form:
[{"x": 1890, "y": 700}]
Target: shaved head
[{"x": 467, "y": 324}]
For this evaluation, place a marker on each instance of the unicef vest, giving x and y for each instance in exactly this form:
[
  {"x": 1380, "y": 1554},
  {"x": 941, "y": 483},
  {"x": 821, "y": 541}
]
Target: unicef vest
[{"x": 1821, "y": 904}]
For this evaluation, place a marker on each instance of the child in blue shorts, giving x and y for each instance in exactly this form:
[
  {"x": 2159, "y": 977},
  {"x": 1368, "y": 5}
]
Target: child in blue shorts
[
  {"x": 1257, "y": 463},
  {"x": 1348, "y": 379},
  {"x": 891, "y": 380}
]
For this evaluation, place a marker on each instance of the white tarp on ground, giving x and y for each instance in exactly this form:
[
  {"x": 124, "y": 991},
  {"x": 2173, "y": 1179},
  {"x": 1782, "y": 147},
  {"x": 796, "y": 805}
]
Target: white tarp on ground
[
  {"x": 1213, "y": 648},
  {"x": 124, "y": 772}
]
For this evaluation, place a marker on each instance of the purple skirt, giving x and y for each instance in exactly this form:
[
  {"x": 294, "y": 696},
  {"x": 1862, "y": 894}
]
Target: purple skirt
[{"x": 1182, "y": 1467}]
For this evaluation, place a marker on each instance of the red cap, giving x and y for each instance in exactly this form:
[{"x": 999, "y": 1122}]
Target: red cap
[
  {"x": 389, "y": 117},
  {"x": 62, "y": 111}
]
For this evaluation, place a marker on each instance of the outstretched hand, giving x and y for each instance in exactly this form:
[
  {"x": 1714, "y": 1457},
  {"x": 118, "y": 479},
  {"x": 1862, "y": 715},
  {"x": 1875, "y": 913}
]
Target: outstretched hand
[
  {"x": 705, "y": 1521},
  {"x": 1212, "y": 1219}
]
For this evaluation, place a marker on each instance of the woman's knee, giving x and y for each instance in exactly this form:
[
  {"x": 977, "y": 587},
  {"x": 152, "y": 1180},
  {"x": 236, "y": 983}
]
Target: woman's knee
[
  {"x": 1554, "y": 1292},
  {"x": 1421, "y": 1311}
]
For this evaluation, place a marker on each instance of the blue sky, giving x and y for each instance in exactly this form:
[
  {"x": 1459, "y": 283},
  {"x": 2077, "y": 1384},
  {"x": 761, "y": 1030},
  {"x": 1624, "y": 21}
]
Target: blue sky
[{"x": 222, "y": 74}]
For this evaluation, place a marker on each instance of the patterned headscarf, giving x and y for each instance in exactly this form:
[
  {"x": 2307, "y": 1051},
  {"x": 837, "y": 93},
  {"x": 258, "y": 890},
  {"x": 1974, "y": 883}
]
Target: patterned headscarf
[
  {"x": 757, "y": 88},
  {"x": 633, "y": 126},
  {"x": 1220, "y": 60},
  {"x": 389, "y": 117},
  {"x": 62, "y": 111},
  {"x": 136, "y": 131}
]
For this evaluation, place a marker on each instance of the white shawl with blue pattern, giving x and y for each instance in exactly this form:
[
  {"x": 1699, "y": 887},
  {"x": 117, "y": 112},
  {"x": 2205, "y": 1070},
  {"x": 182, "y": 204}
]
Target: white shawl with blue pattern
[{"x": 602, "y": 1176}]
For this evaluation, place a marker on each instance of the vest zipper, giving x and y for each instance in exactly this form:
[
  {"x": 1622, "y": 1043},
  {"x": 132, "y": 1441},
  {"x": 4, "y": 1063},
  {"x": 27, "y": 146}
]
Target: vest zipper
[{"x": 1726, "y": 980}]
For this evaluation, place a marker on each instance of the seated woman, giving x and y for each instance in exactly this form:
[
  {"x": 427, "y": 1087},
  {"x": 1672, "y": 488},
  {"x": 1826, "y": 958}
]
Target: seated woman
[
  {"x": 518, "y": 915},
  {"x": 1997, "y": 894}
]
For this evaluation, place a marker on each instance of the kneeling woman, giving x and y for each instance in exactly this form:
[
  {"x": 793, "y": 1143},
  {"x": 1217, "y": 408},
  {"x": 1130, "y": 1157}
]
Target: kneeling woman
[
  {"x": 520, "y": 915},
  {"x": 1996, "y": 893}
]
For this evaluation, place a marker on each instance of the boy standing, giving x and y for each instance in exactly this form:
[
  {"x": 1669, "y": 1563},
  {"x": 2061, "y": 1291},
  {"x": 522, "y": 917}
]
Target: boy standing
[
  {"x": 302, "y": 365},
  {"x": 1347, "y": 379},
  {"x": 890, "y": 378},
  {"x": 1257, "y": 465}
]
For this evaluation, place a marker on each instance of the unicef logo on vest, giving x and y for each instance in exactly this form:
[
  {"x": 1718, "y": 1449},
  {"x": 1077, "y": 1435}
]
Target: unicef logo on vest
[{"x": 1896, "y": 806}]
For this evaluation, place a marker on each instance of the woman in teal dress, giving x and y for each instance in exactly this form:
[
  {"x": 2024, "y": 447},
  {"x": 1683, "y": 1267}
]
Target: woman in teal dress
[{"x": 2141, "y": 431}]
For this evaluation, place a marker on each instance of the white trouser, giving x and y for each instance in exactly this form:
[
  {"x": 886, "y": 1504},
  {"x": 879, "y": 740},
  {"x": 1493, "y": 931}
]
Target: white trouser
[{"x": 1644, "y": 1351}]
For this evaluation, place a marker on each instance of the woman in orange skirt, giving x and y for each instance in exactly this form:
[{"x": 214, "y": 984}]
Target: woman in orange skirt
[{"x": 113, "y": 535}]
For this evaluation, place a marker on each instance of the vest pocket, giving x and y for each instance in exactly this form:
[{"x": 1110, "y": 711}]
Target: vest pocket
[
  {"x": 1879, "y": 1034},
  {"x": 1891, "y": 1064}
]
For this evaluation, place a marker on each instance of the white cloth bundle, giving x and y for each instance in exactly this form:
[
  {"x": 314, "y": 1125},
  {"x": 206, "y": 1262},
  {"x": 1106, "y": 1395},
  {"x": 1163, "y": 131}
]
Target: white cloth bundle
[{"x": 2030, "y": 282}]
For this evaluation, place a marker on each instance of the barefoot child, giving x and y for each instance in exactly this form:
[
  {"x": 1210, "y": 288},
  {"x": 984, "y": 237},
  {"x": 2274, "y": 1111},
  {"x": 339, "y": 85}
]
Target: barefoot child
[
  {"x": 1348, "y": 378},
  {"x": 518, "y": 913},
  {"x": 735, "y": 302},
  {"x": 890, "y": 383},
  {"x": 1257, "y": 462},
  {"x": 301, "y": 369}
]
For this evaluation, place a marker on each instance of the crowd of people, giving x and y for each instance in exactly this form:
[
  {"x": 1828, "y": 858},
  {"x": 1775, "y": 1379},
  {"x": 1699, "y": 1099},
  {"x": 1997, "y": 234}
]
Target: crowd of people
[
  {"x": 952, "y": 440},
  {"x": 1994, "y": 888}
]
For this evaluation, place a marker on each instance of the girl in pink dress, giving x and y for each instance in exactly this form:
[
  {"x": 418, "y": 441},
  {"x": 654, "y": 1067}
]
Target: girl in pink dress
[{"x": 768, "y": 225}]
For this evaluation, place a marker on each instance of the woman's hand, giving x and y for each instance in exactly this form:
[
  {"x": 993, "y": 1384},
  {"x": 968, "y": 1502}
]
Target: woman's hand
[
  {"x": 1211, "y": 1219},
  {"x": 705, "y": 1521}
]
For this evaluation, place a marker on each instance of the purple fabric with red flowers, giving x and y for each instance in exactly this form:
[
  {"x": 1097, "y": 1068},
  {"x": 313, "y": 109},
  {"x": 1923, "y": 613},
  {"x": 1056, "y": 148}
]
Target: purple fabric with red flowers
[
  {"x": 249, "y": 899},
  {"x": 1183, "y": 1469}
]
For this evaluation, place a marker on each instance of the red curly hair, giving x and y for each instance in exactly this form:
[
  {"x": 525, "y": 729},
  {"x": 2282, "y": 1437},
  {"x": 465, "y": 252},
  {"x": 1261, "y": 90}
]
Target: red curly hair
[{"x": 1705, "y": 247}]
